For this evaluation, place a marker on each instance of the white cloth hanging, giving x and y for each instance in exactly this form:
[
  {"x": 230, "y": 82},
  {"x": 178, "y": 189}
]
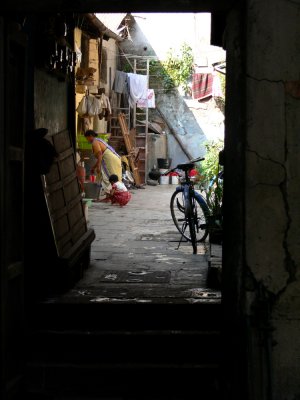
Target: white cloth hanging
[
  {"x": 138, "y": 86},
  {"x": 149, "y": 102},
  {"x": 216, "y": 85},
  {"x": 89, "y": 106},
  {"x": 105, "y": 103},
  {"x": 99, "y": 125}
]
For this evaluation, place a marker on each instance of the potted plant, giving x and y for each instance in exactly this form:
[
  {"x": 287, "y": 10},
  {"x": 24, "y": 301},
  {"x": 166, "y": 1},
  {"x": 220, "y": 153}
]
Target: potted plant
[{"x": 211, "y": 183}]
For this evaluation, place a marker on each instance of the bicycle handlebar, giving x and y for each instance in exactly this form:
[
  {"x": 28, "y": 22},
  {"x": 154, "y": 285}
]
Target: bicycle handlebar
[
  {"x": 190, "y": 161},
  {"x": 197, "y": 159}
]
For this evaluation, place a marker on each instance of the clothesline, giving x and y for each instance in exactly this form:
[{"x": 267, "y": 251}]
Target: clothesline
[{"x": 134, "y": 87}]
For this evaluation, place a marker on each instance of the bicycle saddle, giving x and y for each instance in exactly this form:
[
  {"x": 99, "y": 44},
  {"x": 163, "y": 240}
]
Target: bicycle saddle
[{"x": 185, "y": 167}]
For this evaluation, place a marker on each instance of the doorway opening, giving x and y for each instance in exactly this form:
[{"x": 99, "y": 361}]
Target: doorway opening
[{"x": 135, "y": 256}]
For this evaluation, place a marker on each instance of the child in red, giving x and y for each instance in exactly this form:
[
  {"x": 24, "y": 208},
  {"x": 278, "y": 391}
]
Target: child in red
[{"x": 119, "y": 193}]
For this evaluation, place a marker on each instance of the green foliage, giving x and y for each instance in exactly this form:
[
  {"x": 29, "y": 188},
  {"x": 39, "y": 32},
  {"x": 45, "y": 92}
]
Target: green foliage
[
  {"x": 176, "y": 70},
  {"x": 127, "y": 67},
  {"x": 220, "y": 101},
  {"x": 209, "y": 170},
  {"x": 223, "y": 82}
]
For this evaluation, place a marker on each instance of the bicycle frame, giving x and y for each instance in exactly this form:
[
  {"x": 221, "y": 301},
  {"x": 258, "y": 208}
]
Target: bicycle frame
[
  {"x": 188, "y": 209},
  {"x": 185, "y": 188}
]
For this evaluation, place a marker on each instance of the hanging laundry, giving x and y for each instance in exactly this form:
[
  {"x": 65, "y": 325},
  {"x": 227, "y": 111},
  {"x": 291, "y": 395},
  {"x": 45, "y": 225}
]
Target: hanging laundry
[
  {"x": 202, "y": 86},
  {"x": 120, "y": 82},
  {"x": 87, "y": 123},
  {"x": 104, "y": 107},
  {"x": 89, "y": 106},
  {"x": 99, "y": 125},
  {"x": 149, "y": 102},
  {"x": 138, "y": 86},
  {"x": 216, "y": 85},
  {"x": 120, "y": 87},
  {"x": 106, "y": 101}
]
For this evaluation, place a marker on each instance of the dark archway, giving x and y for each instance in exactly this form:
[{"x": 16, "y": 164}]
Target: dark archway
[{"x": 233, "y": 155}]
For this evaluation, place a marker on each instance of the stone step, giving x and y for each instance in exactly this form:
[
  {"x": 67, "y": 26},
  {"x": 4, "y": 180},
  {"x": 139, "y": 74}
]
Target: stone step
[
  {"x": 111, "y": 347},
  {"x": 123, "y": 352},
  {"x": 161, "y": 382},
  {"x": 200, "y": 316},
  {"x": 120, "y": 352}
]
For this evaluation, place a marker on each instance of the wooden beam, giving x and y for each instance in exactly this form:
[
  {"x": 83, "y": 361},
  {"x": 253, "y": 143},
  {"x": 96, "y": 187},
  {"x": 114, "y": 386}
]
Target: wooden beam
[
  {"x": 130, "y": 149},
  {"x": 94, "y": 6}
]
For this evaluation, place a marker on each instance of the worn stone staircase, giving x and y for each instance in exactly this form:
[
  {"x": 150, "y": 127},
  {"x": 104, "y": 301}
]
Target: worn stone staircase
[{"x": 123, "y": 351}]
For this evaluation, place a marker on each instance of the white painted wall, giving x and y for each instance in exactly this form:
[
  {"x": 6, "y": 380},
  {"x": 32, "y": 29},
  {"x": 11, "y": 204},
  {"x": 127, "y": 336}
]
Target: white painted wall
[{"x": 170, "y": 30}]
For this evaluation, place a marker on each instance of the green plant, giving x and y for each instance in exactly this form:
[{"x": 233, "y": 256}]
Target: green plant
[
  {"x": 210, "y": 182},
  {"x": 127, "y": 67},
  {"x": 220, "y": 101},
  {"x": 223, "y": 82},
  {"x": 176, "y": 69}
]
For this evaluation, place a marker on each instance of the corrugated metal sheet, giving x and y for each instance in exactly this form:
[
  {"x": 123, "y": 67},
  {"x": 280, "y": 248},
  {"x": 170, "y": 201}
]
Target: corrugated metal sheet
[{"x": 112, "y": 20}]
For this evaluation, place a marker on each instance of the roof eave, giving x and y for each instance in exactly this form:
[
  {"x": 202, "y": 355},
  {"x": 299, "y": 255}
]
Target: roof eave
[{"x": 102, "y": 28}]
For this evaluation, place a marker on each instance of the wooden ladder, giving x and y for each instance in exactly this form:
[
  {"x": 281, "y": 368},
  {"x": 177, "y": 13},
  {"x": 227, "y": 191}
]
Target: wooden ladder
[{"x": 130, "y": 149}]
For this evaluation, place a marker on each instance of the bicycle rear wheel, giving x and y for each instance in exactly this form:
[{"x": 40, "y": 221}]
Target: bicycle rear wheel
[
  {"x": 177, "y": 207},
  {"x": 191, "y": 221}
]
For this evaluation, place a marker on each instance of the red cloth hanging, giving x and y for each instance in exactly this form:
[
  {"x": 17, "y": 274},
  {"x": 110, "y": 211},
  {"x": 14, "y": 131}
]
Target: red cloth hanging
[{"x": 202, "y": 85}]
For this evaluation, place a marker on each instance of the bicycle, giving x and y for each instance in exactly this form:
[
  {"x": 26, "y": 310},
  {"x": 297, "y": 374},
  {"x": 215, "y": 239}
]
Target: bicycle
[{"x": 189, "y": 210}]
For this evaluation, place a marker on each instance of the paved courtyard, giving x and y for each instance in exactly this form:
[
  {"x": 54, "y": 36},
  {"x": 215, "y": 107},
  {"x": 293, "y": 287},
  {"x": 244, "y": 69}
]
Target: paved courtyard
[{"x": 135, "y": 256}]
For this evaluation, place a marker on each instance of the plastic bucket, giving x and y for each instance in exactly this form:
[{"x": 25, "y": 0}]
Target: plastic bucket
[
  {"x": 164, "y": 180},
  {"x": 174, "y": 180},
  {"x": 92, "y": 190}
]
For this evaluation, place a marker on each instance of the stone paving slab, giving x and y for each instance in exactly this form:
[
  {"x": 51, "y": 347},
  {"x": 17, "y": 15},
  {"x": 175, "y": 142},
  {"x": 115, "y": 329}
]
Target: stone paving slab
[{"x": 142, "y": 237}]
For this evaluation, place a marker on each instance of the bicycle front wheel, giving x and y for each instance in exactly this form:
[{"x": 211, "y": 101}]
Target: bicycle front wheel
[{"x": 200, "y": 211}]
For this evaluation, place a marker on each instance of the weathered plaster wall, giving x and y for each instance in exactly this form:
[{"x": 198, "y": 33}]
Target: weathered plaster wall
[
  {"x": 272, "y": 188},
  {"x": 112, "y": 60},
  {"x": 175, "y": 29},
  {"x": 50, "y": 102},
  {"x": 157, "y": 148},
  {"x": 183, "y": 122},
  {"x": 137, "y": 43}
]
